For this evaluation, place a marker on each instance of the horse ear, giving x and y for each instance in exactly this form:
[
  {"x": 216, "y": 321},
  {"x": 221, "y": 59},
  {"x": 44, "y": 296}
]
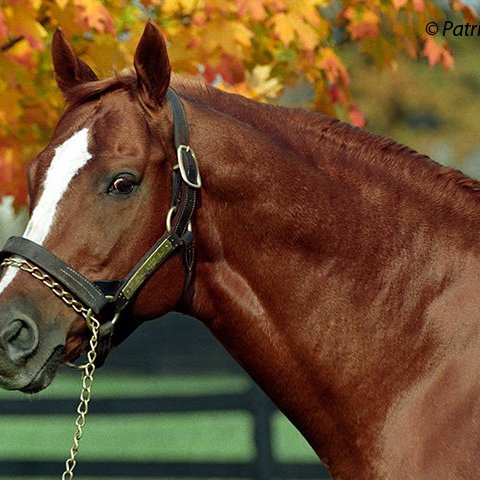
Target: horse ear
[
  {"x": 70, "y": 71},
  {"x": 152, "y": 65}
]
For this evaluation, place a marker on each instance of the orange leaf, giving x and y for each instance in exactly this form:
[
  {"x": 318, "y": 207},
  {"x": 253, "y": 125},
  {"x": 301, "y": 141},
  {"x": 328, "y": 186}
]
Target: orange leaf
[
  {"x": 447, "y": 59},
  {"x": 356, "y": 116},
  {"x": 12, "y": 173},
  {"x": 398, "y": 4},
  {"x": 410, "y": 47},
  {"x": 94, "y": 15},
  {"x": 332, "y": 66},
  {"x": 363, "y": 23},
  {"x": 468, "y": 12},
  {"x": 433, "y": 51},
  {"x": 3, "y": 25},
  {"x": 230, "y": 69},
  {"x": 436, "y": 53},
  {"x": 419, "y": 5},
  {"x": 337, "y": 94}
]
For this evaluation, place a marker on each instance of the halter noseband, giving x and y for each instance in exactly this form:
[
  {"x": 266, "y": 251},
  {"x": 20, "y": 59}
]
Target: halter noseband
[{"x": 115, "y": 295}]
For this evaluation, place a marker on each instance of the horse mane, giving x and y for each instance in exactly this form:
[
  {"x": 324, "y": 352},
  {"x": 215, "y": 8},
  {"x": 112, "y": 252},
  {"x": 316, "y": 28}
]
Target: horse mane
[
  {"x": 382, "y": 151},
  {"x": 385, "y": 153}
]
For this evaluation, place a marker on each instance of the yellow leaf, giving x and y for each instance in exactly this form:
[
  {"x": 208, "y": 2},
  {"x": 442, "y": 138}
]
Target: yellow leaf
[
  {"x": 10, "y": 110},
  {"x": 263, "y": 85},
  {"x": 283, "y": 28},
  {"x": 36, "y": 4},
  {"x": 228, "y": 37},
  {"x": 398, "y": 4},
  {"x": 307, "y": 8},
  {"x": 106, "y": 55},
  {"x": 94, "y": 15},
  {"x": 170, "y": 7},
  {"x": 190, "y": 5},
  {"x": 21, "y": 19},
  {"x": 254, "y": 9},
  {"x": 182, "y": 56},
  {"x": 23, "y": 53},
  {"x": 62, "y": 4},
  {"x": 306, "y": 33},
  {"x": 241, "y": 33}
]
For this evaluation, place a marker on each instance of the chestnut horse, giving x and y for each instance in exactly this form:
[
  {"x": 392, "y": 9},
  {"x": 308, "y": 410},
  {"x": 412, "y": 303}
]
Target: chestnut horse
[{"x": 339, "y": 268}]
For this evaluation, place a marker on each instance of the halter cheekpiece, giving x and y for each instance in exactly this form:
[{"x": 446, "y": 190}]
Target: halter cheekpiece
[{"x": 113, "y": 296}]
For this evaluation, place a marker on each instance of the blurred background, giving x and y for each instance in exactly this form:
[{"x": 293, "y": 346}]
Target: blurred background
[{"x": 170, "y": 403}]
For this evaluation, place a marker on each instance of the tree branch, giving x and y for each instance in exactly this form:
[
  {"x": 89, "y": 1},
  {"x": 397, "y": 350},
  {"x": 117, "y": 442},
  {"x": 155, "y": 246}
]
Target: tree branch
[{"x": 13, "y": 41}]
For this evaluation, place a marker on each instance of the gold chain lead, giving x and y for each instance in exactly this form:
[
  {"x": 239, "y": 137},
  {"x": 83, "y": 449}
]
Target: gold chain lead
[
  {"x": 89, "y": 367},
  {"x": 85, "y": 396},
  {"x": 54, "y": 286}
]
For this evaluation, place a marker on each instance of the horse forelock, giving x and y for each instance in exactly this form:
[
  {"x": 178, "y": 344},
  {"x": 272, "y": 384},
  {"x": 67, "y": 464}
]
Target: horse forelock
[{"x": 86, "y": 92}]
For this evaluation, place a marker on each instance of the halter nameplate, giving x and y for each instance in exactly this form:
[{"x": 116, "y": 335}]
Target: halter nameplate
[{"x": 158, "y": 256}]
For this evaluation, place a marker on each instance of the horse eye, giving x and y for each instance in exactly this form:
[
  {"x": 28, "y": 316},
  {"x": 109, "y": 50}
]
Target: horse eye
[{"x": 122, "y": 185}]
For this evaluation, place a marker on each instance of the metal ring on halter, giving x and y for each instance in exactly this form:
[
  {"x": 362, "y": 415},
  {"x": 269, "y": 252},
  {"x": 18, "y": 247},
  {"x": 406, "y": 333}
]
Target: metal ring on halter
[
  {"x": 76, "y": 367},
  {"x": 90, "y": 326},
  {"x": 168, "y": 220},
  {"x": 84, "y": 365}
]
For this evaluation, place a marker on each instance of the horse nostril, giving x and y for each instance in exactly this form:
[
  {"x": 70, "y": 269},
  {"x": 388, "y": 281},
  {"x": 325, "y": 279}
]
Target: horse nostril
[{"x": 20, "y": 338}]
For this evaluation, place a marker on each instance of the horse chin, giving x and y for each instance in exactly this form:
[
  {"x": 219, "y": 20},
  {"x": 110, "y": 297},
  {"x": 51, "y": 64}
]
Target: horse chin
[{"x": 44, "y": 376}]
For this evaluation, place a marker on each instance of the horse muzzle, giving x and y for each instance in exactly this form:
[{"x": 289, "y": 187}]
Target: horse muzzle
[
  {"x": 26, "y": 362},
  {"x": 19, "y": 339}
]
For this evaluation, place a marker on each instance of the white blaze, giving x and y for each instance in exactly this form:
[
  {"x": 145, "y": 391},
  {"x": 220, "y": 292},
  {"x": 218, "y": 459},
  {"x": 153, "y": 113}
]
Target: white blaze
[{"x": 69, "y": 158}]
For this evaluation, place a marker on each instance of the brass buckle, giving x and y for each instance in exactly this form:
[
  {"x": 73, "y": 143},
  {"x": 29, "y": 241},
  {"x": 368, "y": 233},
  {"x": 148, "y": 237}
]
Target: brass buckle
[{"x": 181, "y": 165}]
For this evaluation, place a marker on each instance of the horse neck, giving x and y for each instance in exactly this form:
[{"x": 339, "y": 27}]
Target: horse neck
[{"x": 332, "y": 286}]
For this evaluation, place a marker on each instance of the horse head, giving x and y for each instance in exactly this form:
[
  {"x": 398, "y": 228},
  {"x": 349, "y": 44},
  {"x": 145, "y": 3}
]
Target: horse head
[{"x": 99, "y": 193}]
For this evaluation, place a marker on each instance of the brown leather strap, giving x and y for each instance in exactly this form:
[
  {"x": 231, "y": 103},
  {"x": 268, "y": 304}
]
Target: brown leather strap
[{"x": 75, "y": 282}]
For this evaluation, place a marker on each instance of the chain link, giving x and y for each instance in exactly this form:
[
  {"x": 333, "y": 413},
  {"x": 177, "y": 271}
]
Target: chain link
[
  {"x": 54, "y": 286},
  {"x": 85, "y": 396},
  {"x": 89, "y": 367}
]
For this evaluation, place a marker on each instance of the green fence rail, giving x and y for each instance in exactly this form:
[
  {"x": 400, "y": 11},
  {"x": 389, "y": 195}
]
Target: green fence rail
[{"x": 263, "y": 465}]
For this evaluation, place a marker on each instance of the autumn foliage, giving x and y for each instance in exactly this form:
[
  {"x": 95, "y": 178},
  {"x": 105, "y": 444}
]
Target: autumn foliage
[{"x": 252, "y": 47}]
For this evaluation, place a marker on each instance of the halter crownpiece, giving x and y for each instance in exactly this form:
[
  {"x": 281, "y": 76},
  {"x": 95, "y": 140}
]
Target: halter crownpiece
[{"x": 114, "y": 295}]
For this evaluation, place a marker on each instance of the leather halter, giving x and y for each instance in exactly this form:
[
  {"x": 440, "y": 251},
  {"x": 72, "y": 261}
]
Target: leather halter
[{"x": 115, "y": 295}]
